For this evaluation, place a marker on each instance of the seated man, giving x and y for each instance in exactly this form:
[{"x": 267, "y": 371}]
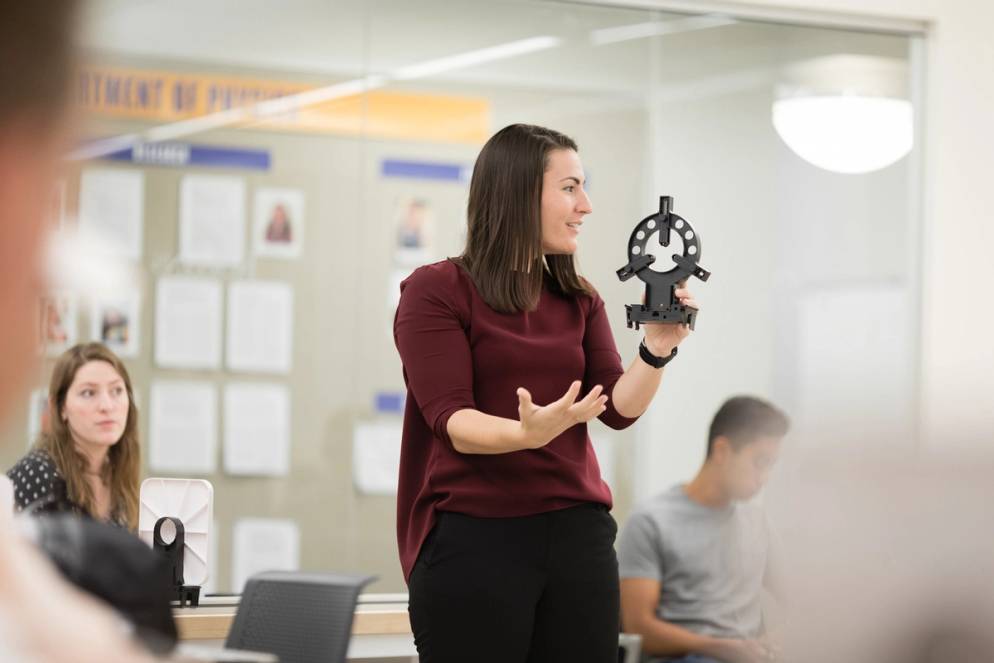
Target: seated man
[{"x": 693, "y": 560}]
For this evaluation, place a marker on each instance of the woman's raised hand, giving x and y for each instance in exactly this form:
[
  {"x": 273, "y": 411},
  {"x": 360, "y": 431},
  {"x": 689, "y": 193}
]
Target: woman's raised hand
[
  {"x": 661, "y": 338},
  {"x": 540, "y": 424}
]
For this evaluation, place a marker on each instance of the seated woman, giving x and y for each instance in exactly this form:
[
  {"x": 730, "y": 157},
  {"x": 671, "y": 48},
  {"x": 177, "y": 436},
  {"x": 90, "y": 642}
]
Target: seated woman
[{"x": 88, "y": 459}]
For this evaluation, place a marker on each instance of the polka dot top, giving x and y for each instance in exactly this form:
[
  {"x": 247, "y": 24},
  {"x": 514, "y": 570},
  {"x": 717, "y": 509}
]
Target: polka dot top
[
  {"x": 37, "y": 483},
  {"x": 40, "y": 488}
]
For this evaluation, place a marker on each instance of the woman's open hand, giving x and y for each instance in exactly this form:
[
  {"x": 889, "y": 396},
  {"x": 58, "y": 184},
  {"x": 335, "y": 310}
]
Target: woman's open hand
[{"x": 540, "y": 424}]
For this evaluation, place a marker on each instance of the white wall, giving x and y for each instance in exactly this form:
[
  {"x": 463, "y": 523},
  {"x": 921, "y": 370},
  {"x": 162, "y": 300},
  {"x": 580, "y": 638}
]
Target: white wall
[
  {"x": 782, "y": 238},
  {"x": 708, "y": 161},
  {"x": 958, "y": 321}
]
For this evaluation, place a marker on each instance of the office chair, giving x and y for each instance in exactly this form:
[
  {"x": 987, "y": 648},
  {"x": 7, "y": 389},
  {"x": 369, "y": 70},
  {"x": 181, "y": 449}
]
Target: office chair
[{"x": 299, "y": 617}]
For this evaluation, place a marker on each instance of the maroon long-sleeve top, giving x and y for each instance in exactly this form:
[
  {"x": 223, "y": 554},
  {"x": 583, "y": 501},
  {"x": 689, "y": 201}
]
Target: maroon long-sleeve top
[{"x": 459, "y": 353}]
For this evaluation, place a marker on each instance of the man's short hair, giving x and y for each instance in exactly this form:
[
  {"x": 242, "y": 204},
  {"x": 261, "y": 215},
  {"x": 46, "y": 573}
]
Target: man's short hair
[
  {"x": 37, "y": 48},
  {"x": 742, "y": 419}
]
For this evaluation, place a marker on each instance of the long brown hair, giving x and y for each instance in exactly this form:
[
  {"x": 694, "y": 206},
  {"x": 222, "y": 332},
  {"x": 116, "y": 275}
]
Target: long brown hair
[
  {"x": 503, "y": 251},
  {"x": 121, "y": 472}
]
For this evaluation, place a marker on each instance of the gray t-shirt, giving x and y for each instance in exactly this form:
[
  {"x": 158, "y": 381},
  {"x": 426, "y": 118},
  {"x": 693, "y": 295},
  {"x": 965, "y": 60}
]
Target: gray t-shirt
[{"x": 711, "y": 563}]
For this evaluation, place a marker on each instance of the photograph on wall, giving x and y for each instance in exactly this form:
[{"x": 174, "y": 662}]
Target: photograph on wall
[
  {"x": 413, "y": 229},
  {"x": 114, "y": 322},
  {"x": 278, "y": 226},
  {"x": 57, "y": 323}
]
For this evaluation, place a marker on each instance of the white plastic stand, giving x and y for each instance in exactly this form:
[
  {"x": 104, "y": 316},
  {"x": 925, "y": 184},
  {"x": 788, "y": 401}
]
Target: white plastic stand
[{"x": 191, "y": 501}]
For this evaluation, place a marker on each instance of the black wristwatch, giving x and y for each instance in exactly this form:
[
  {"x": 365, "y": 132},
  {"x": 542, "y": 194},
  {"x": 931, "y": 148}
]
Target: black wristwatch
[{"x": 653, "y": 360}]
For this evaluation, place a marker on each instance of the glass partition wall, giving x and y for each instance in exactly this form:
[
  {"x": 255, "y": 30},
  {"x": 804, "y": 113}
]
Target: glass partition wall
[{"x": 266, "y": 174}]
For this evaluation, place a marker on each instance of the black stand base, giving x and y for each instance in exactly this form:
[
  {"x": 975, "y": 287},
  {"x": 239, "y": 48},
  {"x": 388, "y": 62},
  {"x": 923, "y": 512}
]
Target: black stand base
[
  {"x": 187, "y": 595},
  {"x": 674, "y": 314}
]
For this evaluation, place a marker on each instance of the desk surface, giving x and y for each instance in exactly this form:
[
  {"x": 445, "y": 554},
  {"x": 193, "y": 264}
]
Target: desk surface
[{"x": 376, "y": 614}]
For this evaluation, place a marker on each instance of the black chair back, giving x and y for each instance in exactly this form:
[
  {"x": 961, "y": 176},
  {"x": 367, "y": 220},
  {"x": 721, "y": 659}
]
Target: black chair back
[{"x": 300, "y": 617}]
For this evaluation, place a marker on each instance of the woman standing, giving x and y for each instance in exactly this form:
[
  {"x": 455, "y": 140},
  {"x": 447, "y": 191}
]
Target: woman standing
[
  {"x": 89, "y": 459},
  {"x": 503, "y": 525}
]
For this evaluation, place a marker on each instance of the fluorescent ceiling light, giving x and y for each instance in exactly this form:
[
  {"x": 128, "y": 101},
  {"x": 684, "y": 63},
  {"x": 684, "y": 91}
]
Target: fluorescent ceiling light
[
  {"x": 472, "y": 58},
  {"x": 104, "y": 146},
  {"x": 657, "y": 28},
  {"x": 846, "y": 134}
]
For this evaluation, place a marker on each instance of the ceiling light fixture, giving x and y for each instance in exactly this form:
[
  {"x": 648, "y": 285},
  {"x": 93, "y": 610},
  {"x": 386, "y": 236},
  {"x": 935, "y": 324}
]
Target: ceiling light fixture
[{"x": 846, "y": 113}]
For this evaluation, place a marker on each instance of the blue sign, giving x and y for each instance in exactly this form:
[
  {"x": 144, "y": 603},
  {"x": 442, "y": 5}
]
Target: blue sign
[
  {"x": 181, "y": 155},
  {"x": 390, "y": 402},
  {"x": 426, "y": 170}
]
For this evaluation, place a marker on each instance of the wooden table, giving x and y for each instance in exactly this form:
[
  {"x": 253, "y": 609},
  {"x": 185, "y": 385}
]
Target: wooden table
[{"x": 381, "y": 629}]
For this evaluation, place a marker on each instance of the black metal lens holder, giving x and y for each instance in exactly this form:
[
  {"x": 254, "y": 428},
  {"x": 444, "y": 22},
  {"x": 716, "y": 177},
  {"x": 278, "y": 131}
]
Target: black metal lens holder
[
  {"x": 174, "y": 551},
  {"x": 661, "y": 303}
]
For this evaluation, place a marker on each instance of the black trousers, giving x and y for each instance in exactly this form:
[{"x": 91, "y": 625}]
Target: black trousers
[{"x": 534, "y": 589}]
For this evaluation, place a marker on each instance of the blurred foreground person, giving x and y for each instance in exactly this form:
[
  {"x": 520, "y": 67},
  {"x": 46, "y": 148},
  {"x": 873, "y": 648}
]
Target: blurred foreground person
[
  {"x": 42, "y": 618},
  {"x": 887, "y": 558}
]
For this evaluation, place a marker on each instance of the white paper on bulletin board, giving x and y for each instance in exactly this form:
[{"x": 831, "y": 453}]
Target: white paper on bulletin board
[
  {"x": 183, "y": 427},
  {"x": 212, "y": 220},
  {"x": 256, "y": 429},
  {"x": 112, "y": 207},
  {"x": 376, "y": 457},
  {"x": 260, "y": 326},
  {"x": 263, "y": 544},
  {"x": 188, "y": 322}
]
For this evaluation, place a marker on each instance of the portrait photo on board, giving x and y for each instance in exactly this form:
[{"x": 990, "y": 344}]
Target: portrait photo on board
[{"x": 278, "y": 227}]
